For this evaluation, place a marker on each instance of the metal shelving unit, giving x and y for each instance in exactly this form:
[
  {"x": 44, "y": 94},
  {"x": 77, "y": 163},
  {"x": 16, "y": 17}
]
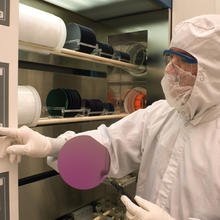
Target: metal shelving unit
[{"x": 42, "y": 55}]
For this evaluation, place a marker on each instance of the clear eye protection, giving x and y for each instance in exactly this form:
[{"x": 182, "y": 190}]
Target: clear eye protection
[
  {"x": 185, "y": 62},
  {"x": 169, "y": 56}
]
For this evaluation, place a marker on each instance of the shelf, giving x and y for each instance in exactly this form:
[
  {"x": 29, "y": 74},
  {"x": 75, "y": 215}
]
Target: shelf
[
  {"x": 98, "y": 59},
  {"x": 46, "y": 52},
  {"x": 53, "y": 121}
]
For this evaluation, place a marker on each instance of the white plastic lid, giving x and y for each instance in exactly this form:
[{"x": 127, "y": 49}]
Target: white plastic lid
[{"x": 29, "y": 106}]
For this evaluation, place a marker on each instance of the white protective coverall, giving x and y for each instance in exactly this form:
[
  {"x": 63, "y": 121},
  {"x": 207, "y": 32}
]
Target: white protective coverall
[{"x": 177, "y": 153}]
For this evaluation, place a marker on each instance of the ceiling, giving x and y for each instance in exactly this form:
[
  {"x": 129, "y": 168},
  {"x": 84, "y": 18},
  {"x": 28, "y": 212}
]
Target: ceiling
[{"x": 99, "y": 10}]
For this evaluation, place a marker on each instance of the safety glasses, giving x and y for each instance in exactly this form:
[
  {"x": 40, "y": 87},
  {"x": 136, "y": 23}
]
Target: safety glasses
[{"x": 169, "y": 56}]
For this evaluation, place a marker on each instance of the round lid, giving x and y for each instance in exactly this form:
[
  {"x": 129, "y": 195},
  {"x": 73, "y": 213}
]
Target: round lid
[{"x": 135, "y": 99}]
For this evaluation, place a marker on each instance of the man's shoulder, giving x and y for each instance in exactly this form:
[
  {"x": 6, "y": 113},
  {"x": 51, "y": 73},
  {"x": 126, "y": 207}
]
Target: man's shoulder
[
  {"x": 161, "y": 104},
  {"x": 160, "y": 110}
]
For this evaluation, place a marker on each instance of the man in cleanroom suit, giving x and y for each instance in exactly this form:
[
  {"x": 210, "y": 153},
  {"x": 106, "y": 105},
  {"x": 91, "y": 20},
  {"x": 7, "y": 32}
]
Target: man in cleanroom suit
[{"x": 174, "y": 143}]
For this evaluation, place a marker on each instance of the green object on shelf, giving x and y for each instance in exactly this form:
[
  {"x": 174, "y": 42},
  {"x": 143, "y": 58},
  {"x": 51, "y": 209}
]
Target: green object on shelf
[{"x": 57, "y": 98}]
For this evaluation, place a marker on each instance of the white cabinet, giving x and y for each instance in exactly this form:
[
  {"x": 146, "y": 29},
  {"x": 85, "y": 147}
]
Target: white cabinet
[{"x": 8, "y": 97}]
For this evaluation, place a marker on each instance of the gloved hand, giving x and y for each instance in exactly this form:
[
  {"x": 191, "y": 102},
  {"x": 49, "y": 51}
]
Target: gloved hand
[
  {"x": 25, "y": 141},
  {"x": 145, "y": 211},
  {"x": 4, "y": 143}
]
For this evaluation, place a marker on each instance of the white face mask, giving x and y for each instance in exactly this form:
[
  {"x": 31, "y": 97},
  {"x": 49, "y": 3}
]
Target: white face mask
[{"x": 177, "y": 85}]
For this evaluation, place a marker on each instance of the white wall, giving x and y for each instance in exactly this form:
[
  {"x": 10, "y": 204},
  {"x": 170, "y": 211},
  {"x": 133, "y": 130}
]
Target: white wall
[
  {"x": 9, "y": 54},
  {"x": 184, "y": 9}
]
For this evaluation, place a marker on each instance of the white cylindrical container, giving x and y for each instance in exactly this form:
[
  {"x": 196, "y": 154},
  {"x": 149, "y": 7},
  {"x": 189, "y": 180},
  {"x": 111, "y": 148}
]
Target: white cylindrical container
[
  {"x": 29, "y": 106},
  {"x": 41, "y": 28}
]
